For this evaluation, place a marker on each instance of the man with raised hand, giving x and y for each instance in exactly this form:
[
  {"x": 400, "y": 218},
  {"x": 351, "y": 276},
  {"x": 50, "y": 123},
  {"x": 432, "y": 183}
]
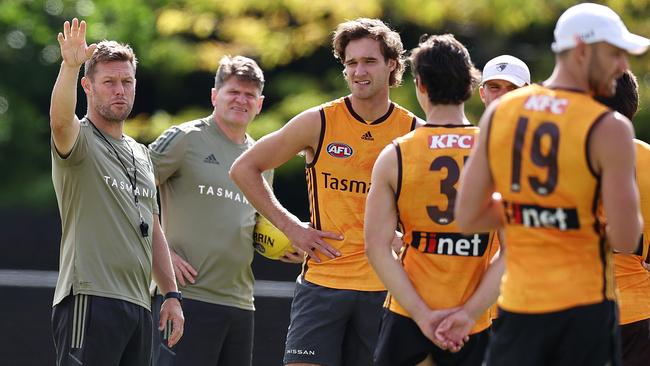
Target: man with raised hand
[{"x": 111, "y": 243}]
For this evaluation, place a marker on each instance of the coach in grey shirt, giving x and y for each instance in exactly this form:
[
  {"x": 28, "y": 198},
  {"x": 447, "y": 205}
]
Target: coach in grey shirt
[{"x": 209, "y": 222}]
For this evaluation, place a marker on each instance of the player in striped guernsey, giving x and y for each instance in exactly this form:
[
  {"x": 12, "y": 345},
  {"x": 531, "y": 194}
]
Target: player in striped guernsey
[
  {"x": 553, "y": 153},
  {"x": 632, "y": 278},
  {"x": 414, "y": 183},
  {"x": 336, "y": 310}
]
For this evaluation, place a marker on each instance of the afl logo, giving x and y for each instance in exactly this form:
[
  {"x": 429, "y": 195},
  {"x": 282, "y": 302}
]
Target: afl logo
[{"x": 339, "y": 150}]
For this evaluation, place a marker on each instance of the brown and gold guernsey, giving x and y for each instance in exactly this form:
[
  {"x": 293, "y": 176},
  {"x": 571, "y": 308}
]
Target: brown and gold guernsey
[
  {"x": 338, "y": 181},
  {"x": 538, "y": 145},
  {"x": 632, "y": 279},
  {"x": 444, "y": 266}
]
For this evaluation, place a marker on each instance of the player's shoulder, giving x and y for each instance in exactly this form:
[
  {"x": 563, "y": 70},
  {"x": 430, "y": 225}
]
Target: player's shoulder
[
  {"x": 334, "y": 103},
  {"x": 309, "y": 116},
  {"x": 642, "y": 145},
  {"x": 611, "y": 122},
  {"x": 642, "y": 149},
  {"x": 407, "y": 116},
  {"x": 522, "y": 93}
]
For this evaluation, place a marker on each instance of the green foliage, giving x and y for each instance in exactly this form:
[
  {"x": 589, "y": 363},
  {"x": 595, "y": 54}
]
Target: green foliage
[{"x": 179, "y": 44}]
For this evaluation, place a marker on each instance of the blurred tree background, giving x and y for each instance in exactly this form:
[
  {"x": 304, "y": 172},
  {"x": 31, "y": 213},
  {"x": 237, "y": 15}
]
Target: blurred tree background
[{"x": 179, "y": 44}]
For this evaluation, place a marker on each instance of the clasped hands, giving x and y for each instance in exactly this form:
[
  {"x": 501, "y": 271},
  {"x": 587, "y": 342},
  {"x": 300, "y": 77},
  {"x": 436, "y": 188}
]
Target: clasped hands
[{"x": 446, "y": 328}]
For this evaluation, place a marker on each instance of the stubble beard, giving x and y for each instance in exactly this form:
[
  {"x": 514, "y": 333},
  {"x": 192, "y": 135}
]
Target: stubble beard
[
  {"x": 105, "y": 111},
  {"x": 597, "y": 84}
]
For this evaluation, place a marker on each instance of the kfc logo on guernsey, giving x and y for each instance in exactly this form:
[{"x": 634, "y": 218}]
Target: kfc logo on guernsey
[
  {"x": 546, "y": 103},
  {"x": 456, "y": 244},
  {"x": 534, "y": 216},
  {"x": 449, "y": 141},
  {"x": 339, "y": 150}
]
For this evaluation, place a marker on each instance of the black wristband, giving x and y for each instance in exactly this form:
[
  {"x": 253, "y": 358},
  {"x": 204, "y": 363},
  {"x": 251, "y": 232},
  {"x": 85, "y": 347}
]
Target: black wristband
[{"x": 174, "y": 295}]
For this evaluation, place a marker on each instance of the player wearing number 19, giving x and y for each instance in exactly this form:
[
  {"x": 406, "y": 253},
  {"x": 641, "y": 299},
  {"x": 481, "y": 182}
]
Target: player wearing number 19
[
  {"x": 414, "y": 182},
  {"x": 554, "y": 153}
]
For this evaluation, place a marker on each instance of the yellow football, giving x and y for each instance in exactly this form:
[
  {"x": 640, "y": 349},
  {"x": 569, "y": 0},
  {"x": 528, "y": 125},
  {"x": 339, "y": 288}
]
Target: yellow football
[{"x": 268, "y": 240}]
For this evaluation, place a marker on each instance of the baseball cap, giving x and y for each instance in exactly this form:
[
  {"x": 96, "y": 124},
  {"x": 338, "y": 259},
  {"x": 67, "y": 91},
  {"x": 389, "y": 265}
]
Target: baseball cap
[
  {"x": 508, "y": 68},
  {"x": 595, "y": 23}
]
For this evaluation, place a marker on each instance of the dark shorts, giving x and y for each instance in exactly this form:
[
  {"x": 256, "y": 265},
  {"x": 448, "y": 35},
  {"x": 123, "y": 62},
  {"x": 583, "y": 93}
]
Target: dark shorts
[
  {"x": 580, "y": 336},
  {"x": 214, "y": 334},
  {"x": 98, "y": 331},
  {"x": 333, "y": 327},
  {"x": 635, "y": 342},
  {"x": 401, "y": 343}
]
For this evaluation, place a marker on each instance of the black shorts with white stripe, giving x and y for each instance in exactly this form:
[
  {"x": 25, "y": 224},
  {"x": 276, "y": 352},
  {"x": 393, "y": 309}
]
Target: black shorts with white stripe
[
  {"x": 100, "y": 331},
  {"x": 213, "y": 335}
]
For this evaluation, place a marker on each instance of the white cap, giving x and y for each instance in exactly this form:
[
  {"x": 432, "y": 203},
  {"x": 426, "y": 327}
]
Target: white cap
[
  {"x": 508, "y": 68},
  {"x": 595, "y": 23}
]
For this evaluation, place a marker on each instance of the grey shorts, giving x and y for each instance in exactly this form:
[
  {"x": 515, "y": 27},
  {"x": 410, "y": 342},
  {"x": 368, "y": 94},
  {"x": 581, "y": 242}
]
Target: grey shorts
[{"x": 333, "y": 327}]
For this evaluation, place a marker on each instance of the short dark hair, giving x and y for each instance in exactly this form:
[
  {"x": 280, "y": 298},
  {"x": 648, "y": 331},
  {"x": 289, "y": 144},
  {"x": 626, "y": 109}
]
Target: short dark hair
[
  {"x": 626, "y": 99},
  {"x": 243, "y": 68},
  {"x": 108, "y": 51},
  {"x": 445, "y": 68},
  {"x": 390, "y": 42}
]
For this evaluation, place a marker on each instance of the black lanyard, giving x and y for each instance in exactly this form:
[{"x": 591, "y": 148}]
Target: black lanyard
[{"x": 144, "y": 227}]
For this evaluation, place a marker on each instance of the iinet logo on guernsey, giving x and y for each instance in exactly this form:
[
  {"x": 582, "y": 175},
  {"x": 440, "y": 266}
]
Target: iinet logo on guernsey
[
  {"x": 456, "y": 244},
  {"x": 546, "y": 103},
  {"x": 534, "y": 216},
  {"x": 449, "y": 141}
]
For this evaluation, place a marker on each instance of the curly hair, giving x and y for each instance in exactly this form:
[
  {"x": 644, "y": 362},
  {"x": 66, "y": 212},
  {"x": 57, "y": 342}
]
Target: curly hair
[
  {"x": 626, "y": 99},
  {"x": 390, "y": 42}
]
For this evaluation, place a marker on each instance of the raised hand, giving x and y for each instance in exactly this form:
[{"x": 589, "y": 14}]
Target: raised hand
[{"x": 74, "y": 50}]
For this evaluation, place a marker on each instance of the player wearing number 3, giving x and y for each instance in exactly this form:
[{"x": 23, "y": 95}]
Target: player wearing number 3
[
  {"x": 555, "y": 154},
  {"x": 414, "y": 182}
]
